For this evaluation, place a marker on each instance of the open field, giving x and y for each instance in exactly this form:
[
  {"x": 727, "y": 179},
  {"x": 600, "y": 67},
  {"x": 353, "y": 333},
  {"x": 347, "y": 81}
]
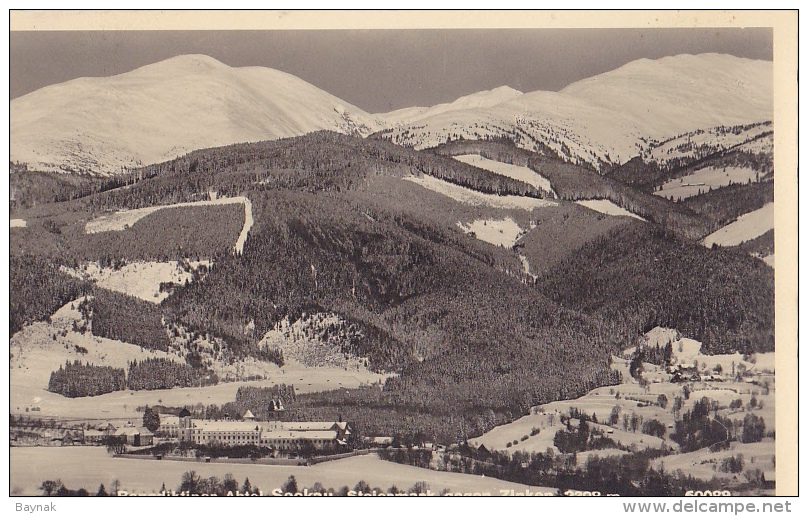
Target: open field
[
  {"x": 90, "y": 466},
  {"x": 513, "y": 171},
  {"x": 747, "y": 227},
  {"x": 475, "y": 198},
  {"x": 703, "y": 464},
  {"x": 139, "y": 279},
  {"x": 122, "y": 404},
  {"x": 608, "y": 207},
  {"x": 704, "y": 179},
  {"x": 503, "y": 232}
]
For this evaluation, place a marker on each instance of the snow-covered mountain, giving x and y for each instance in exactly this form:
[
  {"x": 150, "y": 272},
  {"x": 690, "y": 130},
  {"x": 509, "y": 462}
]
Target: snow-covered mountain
[
  {"x": 479, "y": 100},
  {"x": 159, "y": 111},
  {"x": 163, "y": 110},
  {"x": 612, "y": 117}
]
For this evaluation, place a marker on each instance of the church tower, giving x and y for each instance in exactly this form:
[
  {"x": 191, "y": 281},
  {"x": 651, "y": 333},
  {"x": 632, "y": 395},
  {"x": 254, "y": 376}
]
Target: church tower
[{"x": 185, "y": 425}]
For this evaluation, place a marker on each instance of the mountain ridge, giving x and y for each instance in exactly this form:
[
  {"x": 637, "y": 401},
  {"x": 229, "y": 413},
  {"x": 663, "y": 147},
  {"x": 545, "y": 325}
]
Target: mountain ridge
[{"x": 162, "y": 110}]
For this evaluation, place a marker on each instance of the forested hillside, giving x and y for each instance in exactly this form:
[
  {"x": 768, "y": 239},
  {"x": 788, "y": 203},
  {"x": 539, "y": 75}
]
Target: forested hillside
[
  {"x": 320, "y": 161},
  {"x": 474, "y": 338},
  {"x": 37, "y": 288},
  {"x": 641, "y": 277},
  {"x": 575, "y": 183}
]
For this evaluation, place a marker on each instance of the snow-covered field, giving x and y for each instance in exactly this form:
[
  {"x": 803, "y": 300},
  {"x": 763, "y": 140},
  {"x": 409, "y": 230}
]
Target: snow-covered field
[
  {"x": 40, "y": 348},
  {"x": 480, "y": 99},
  {"x": 122, "y": 404},
  {"x": 475, "y": 198},
  {"x": 703, "y": 464},
  {"x": 697, "y": 144},
  {"x": 18, "y": 223},
  {"x": 505, "y": 169},
  {"x": 748, "y": 226},
  {"x": 608, "y": 207},
  {"x": 88, "y": 467},
  {"x": 503, "y": 232},
  {"x": 139, "y": 279},
  {"x": 703, "y": 179},
  {"x": 123, "y": 219}
]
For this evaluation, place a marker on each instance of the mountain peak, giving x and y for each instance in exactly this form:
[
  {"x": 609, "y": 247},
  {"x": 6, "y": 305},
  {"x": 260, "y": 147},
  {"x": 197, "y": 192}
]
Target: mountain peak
[{"x": 186, "y": 63}]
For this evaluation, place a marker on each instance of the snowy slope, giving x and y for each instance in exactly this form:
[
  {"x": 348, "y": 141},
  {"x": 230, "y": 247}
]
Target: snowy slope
[
  {"x": 506, "y": 169},
  {"x": 481, "y": 99},
  {"x": 748, "y": 226},
  {"x": 612, "y": 117},
  {"x": 695, "y": 145},
  {"x": 166, "y": 109}
]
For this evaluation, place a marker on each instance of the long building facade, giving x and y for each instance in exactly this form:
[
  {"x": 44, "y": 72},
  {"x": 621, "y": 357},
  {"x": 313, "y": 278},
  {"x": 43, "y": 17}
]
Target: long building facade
[{"x": 278, "y": 435}]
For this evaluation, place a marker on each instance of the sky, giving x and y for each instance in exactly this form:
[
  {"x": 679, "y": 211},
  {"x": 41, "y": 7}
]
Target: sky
[{"x": 378, "y": 70}]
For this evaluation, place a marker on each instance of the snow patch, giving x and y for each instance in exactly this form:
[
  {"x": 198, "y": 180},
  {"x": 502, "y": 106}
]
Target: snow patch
[
  {"x": 18, "y": 223},
  {"x": 248, "y": 223},
  {"x": 475, "y": 198},
  {"x": 526, "y": 266},
  {"x": 704, "y": 179},
  {"x": 608, "y": 207},
  {"x": 314, "y": 340},
  {"x": 122, "y": 220},
  {"x": 139, "y": 279},
  {"x": 747, "y": 227},
  {"x": 506, "y": 169},
  {"x": 503, "y": 232}
]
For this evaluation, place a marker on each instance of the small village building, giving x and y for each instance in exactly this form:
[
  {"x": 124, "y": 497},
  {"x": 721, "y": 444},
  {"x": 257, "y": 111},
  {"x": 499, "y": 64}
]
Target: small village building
[
  {"x": 94, "y": 437},
  {"x": 136, "y": 436}
]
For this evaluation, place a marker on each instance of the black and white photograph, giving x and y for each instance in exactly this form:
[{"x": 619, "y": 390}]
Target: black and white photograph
[{"x": 402, "y": 259}]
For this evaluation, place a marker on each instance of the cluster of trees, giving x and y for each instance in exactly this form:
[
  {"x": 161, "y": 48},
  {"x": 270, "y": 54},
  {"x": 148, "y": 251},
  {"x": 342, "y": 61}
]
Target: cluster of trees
[
  {"x": 193, "y": 483},
  {"x": 162, "y": 373},
  {"x": 626, "y": 475},
  {"x": 126, "y": 318},
  {"x": 174, "y": 233},
  {"x": 698, "y": 428},
  {"x": 656, "y": 355},
  {"x": 57, "y": 488},
  {"x": 259, "y": 399},
  {"x": 574, "y": 439},
  {"x": 37, "y": 288},
  {"x": 30, "y": 187},
  {"x": 75, "y": 380},
  {"x": 761, "y": 246}
]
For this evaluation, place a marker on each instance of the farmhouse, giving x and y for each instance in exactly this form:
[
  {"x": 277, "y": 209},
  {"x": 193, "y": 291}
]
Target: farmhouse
[
  {"x": 94, "y": 436},
  {"x": 136, "y": 436}
]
